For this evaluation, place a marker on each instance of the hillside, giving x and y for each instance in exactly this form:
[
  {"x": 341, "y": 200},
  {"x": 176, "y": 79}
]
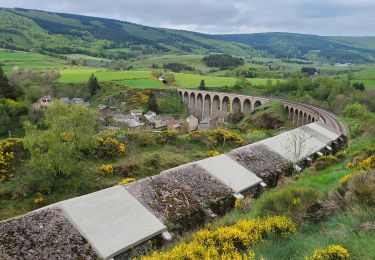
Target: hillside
[{"x": 71, "y": 34}]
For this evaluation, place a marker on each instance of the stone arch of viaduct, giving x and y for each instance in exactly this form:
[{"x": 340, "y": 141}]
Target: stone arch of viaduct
[{"x": 205, "y": 103}]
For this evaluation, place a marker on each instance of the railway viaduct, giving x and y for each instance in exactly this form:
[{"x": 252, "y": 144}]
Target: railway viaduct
[{"x": 205, "y": 103}]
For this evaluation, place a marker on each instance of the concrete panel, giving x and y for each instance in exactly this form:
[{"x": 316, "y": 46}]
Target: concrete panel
[
  {"x": 294, "y": 145},
  {"x": 316, "y": 134},
  {"x": 230, "y": 173},
  {"x": 112, "y": 220},
  {"x": 324, "y": 131}
]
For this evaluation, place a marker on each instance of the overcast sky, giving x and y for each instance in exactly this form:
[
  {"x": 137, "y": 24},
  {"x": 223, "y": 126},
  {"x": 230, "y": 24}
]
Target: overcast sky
[{"x": 323, "y": 17}]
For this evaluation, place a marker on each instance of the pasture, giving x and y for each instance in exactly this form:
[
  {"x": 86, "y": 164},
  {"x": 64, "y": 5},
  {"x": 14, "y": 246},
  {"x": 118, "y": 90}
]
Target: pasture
[
  {"x": 82, "y": 74},
  {"x": 193, "y": 80},
  {"x": 143, "y": 83},
  {"x": 11, "y": 59}
]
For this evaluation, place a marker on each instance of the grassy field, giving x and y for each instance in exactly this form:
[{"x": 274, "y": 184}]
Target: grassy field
[
  {"x": 366, "y": 76},
  {"x": 85, "y": 57},
  {"x": 193, "y": 80},
  {"x": 12, "y": 59},
  {"x": 143, "y": 83},
  {"x": 81, "y": 74},
  {"x": 192, "y": 60}
]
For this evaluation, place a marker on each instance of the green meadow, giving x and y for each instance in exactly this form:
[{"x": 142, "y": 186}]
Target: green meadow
[
  {"x": 81, "y": 74},
  {"x": 193, "y": 80},
  {"x": 143, "y": 83},
  {"x": 10, "y": 59}
]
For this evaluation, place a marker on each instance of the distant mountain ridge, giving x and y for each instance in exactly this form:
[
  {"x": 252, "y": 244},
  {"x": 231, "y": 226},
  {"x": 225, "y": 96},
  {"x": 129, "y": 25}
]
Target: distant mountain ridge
[{"x": 59, "y": 33}]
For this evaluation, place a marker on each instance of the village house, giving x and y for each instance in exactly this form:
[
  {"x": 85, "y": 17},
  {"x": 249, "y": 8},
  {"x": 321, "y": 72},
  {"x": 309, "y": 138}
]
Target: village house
[
  {"x": 131, "y": 121},
  {"x": 136, "y": 112},
  {"x": 192, "y": 123},
  {"x": 106, "y": 111},
  {"x": 216, "y": 120},
  {"x": 161, "y": 122},
  {"x": 174, "y": 125},
  {"x": 149, "y": 115},
  {"x": 75, "y": 101},
  {"x": 42, "y": 103}
]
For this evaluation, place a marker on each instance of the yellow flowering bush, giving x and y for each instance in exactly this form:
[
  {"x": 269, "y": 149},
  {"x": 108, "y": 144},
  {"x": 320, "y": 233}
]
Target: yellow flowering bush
[
  {"x": 214, "y": 137},
  {"x": 126, "y": 181},
  {"x": 333, "y": 252},
  {"x": 323, "y": 162},
  {"x": 106, "y": 169},
  {"x": 169, "y": 136},
  {"x": 367, "y": 164},
  {"x": 38, "y": 199},
  {"x": 228, "y": 242},
  {"x": 342, "y": 154},
  {"x": 256, "y": 132},
  {"x": 344, "y": 180},
  {"x": 137, "y": 99},
  {"x": 67, "y": 136},
  {"x": 8, "y": 148},
  {"x": 213, "y": 153},
  {"x": 12, "y": 145},
  {"x": 108, "y": 145},
  {"x": 6, "y": 170}
]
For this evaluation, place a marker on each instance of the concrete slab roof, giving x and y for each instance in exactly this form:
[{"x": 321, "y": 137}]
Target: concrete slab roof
[
  {"x": 112, "y": 220},
  {"x": 294, "y": 145},
  {"x": 324, "y": 131},
  {"x": 231, "y": 173}
]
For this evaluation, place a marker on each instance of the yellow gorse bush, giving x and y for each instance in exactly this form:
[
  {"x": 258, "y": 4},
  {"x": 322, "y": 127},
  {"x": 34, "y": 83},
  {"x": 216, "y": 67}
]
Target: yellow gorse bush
[
  {"x": 8, "y": 149},
  {"x": 6, "y": 171},
  {"x": 367, "y": 164},
  {"x": 126, "y": 181},
  {"x": 213, "y": 153},
  {"x": 344, "y": 180},
  {"x": 216, "y": 136},
  {"x": 106, "y": 169},
  {"x": 109, "y": 145},
  {"x": 334, "y": 252},
  {"x": 229, "y": 242},
  {"x": 67, "y": 136}
]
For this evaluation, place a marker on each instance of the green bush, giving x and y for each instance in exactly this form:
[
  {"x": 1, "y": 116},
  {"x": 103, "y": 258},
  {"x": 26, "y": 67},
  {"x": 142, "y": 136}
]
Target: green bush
[
  {"x": 300, "y": 204},
  {"x": 353, "y": 110},
  {"x": 325, "y": 161}
]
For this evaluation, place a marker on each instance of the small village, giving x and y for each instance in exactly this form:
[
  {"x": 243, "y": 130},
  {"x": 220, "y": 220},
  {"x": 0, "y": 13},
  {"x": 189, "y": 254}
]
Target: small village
[{"x": 114, "y": 118}]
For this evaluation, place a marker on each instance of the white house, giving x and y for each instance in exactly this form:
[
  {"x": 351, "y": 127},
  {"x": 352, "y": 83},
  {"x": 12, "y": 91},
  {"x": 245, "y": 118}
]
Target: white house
[{"x": 192, "y": 123}]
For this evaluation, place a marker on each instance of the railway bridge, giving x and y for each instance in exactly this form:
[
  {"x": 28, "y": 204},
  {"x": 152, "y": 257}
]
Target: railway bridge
[{"x": 205, "y": 103}]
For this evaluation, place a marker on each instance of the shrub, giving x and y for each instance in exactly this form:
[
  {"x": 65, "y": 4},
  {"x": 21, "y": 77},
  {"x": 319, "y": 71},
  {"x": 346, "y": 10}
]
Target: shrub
[
  {"x": 169, "y": 136},
  {"x": 106, "y": 169},
  {"x": 367, "y": 164},
  {"x": 216, "y": 136},
  {"x": 213, "y": 153},
  {"x": 6, "y": 170},
  {"x": 342, "y": 154},
  {"x": 354, "y": 110},
  {"x": 142, "y": 138},
  {"x": 324, "y": 162},
  {"x": 358, "y": 188},
  {"x": 333, "y": 252},
  {"x": 300, "y": 204},
  {"x": 126, "y": 181},
  {"x": 38, "y": 198},
  {"x": 14, "y": 145},
  {"x": 108, "y": 145},
  {"x": 361, "y": 188}
]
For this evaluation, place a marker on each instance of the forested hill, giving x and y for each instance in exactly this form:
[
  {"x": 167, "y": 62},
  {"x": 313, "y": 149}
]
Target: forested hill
[{"x": 67, "y": 33}]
